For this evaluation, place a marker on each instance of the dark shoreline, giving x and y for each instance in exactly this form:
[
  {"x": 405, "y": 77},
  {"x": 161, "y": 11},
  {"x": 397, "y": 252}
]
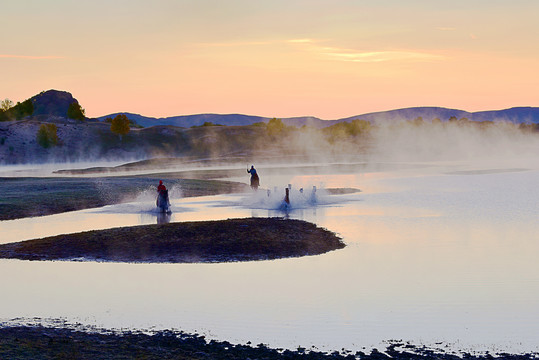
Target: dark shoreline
[{"x": 68, "y": 342}]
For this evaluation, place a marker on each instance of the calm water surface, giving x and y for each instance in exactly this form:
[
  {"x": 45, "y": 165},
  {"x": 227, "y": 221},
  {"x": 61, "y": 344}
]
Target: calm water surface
[{"x": 435, "y": 253}]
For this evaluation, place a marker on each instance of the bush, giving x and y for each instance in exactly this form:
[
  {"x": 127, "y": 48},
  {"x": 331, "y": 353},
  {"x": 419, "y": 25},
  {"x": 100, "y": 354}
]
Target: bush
[
  {"x": 75, "y": 111},
  {"x": 343, "y": 130},
  {"x": 47, "y": 135},
  {"x": 259, "y": 124},
  {"x": 206, "y": 123},
  {"x": 275, "y": 127},
  {"x": 21, "y": 110}
]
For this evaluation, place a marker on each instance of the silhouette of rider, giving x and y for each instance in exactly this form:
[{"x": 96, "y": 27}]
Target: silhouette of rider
[{"x": 255, "y": 181}]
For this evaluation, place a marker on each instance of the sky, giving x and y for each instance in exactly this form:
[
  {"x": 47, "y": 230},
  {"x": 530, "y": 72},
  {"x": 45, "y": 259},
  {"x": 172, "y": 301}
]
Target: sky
[{"x": 281, "y": 58}]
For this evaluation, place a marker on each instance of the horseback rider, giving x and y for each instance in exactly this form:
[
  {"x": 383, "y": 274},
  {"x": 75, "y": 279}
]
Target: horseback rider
[
  {"x": 255, "y": 181},
  {"x": 161, "y": 187}
]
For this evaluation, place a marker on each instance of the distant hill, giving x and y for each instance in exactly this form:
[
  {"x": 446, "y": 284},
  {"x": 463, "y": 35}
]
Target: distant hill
[
  {"x": 427, "y": 113},
  {"x": 218, "y": 119},
  {"x": 56, "y": 103},
  {"x": 517, "y": 115},
  {"x": 52, "y": 102},
  {"x": 191, "y": 120}
]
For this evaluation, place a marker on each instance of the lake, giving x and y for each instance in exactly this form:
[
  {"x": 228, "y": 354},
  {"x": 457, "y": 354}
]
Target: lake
[{"x": 437, "y": 252}]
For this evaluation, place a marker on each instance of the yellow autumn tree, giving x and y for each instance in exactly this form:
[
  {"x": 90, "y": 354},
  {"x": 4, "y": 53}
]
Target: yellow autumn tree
[{"x": 120, "y": 125}]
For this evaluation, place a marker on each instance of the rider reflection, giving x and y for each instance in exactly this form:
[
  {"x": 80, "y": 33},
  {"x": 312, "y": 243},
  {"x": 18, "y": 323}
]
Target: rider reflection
[{"x": 163, "y": 217}]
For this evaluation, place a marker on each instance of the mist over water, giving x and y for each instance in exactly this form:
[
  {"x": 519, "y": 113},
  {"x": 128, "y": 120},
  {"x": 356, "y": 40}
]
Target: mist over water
[
  {"x": 386, "y": 140},
  {"x": 432, "y": 255},
  {"x": 440, "y": 247},
  {"x": 501, "y": 142},
  {"x": 449, "y": 141}
]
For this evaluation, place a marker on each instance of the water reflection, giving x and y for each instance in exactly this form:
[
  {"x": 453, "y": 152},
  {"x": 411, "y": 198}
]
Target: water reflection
[
  {"x": 430, "y": 257},
  {"x": 164, "y": 217}
]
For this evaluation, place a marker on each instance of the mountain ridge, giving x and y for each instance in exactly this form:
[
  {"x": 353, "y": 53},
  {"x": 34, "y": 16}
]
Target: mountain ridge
[
  {"x": 56, "y": 103},
  {"x": 517, "y": 115}
]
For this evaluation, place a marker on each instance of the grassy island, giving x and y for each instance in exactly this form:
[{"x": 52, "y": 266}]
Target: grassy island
[{"x": 188, "y": 242}]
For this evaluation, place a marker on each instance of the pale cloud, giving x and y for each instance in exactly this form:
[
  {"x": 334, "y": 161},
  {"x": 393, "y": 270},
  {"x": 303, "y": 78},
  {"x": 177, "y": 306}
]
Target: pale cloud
[
  {"x": 381, "y": 56},
  {"x": 235, "y": 44},
  {"x": 257, "y": 43},
  {"x": 446, "y": 28},
  {"x": 353, "y": 55},
  {"x": 317, "y": 47},
  {"x": 30, "y": 57},
  {"x": 302, "y": 41}
]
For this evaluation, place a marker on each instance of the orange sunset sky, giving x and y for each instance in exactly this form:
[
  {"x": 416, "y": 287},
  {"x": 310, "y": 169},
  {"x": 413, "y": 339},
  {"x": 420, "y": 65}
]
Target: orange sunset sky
[{"x": 330, "y": 59}]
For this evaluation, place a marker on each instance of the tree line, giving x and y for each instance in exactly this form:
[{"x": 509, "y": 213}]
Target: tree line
[{"x": 19, "y": 111}]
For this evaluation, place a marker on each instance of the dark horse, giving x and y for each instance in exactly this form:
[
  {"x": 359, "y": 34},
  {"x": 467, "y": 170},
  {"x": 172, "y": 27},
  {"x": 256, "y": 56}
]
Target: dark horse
[
  {"x": 255, "y": 181},
  {"x": 162, "y": 201}
]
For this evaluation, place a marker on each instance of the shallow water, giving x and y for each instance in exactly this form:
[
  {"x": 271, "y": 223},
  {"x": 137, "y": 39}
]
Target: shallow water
[{"x": 435, "y": 253}]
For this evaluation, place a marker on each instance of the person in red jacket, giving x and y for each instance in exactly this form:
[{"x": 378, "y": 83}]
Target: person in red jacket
[{"x": 161, "y": 187}]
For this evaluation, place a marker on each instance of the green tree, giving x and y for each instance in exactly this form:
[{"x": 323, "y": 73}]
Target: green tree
[
  {"x": 6, "y": 104},
  {"x": 47, "y": 135},
  {"x": 9, "y": 112},
  {"x": 75, "y": 111},
  {"x": 120, "y": 125},
  {"x": 26, "y": 108}
]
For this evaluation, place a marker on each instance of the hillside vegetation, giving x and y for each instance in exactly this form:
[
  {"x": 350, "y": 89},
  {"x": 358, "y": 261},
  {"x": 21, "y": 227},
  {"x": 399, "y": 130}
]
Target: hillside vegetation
[{"x": 52, "y": 127}]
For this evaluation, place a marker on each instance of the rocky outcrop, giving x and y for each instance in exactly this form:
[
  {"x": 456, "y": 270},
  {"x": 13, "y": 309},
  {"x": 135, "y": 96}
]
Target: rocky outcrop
[{"x": 52, "y": 103}]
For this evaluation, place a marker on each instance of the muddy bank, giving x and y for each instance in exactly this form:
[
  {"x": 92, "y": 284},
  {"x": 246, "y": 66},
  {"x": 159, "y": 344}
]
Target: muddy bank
[
  {"x": 188, "y": 242},
  {"x": 38, "y": 342},
  {"x": 27, "y": 197}
]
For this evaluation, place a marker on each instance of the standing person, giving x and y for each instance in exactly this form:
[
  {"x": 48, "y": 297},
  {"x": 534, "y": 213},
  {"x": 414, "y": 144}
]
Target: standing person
[{"x": 255, "y": 181}]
